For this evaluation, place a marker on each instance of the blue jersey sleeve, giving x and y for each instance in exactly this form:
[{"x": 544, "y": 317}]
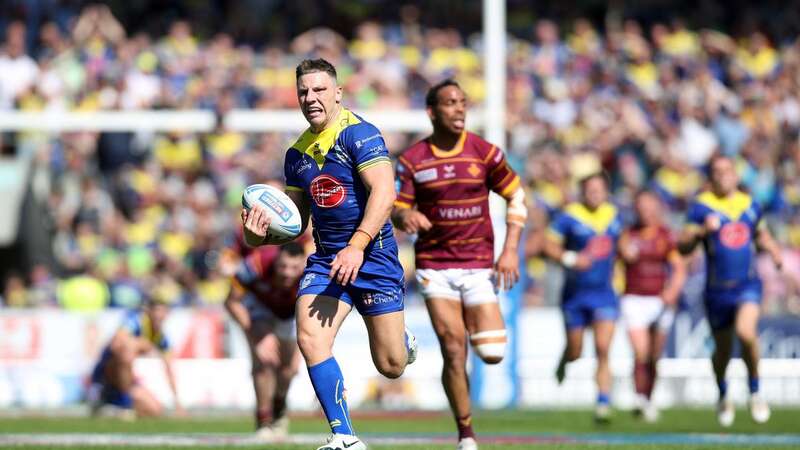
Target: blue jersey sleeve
[
  {"x": 291, "y": 164},
  {"x": 756, "y": 214},
  {"x": 366, "y": 146}
]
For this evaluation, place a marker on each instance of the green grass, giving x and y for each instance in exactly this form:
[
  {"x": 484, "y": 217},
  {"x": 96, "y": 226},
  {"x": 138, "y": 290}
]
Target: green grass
[{"x": 555, "y": 422}]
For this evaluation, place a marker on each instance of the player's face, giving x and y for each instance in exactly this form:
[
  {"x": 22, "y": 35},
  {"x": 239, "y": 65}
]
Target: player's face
[
  {"x": 450, "y": 111},
  {"x": 648, "y": 209},
  {"x": 723, "y": 176},
  {"x": 595, "y": 192},
  {"x": 158, "y": 314},
  {"x": 319, "y": 98},
  {"x": 288, "y": 270}
]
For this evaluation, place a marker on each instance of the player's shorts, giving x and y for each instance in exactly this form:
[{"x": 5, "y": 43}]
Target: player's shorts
[
  {"x": 644, "y": 311},
  {"x": 470, "y": 286},
  {"x": 372, "y": 294},
  {"x": 723, "y": 303},
  {"x": 284, "y": 329},
  {"x": 584, "y": 307},
  {"x": 105, "y": 394}
]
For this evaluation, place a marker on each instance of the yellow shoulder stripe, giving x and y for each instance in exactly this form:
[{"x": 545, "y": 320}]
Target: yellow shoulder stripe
[
  {"x": 732, "y": 206},
  {"x": 598, "y": 220}
]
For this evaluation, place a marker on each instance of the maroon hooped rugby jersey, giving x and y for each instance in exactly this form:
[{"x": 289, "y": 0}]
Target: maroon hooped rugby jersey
[
  {"x": 648, "y": 274},
  {"x": 451, "y": 188}
]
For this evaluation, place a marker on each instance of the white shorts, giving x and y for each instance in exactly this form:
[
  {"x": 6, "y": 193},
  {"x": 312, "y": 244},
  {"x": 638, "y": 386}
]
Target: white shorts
[
  {"x": 642, "y": 311},
  {"x": 470, "y": 286},
  {"x": 284, "y": 329}
]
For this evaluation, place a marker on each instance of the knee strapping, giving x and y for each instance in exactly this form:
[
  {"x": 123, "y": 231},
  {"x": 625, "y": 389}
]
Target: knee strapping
[{"x": 489, "y": 345}]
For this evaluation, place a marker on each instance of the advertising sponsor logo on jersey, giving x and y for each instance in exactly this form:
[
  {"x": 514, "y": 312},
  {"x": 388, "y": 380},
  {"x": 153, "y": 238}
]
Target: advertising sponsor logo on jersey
[
  {"x": 340, "y": 154},
  {"x": 467, "y": 212},
  {"x": 302, "y": 165},
  {"x": 449, "y": 171},
  {"x": 378, "y": 298},
  {"x": 361, "y": 142},
  {"x": 426, "y": 175},
  {"x": 600, "y": 247},
  {"x": 734, "y": 235},
  {"x": 327, "y": 191}
]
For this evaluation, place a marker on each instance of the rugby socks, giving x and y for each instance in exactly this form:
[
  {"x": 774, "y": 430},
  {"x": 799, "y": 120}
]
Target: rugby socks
[
  {"x": 723, "y": 388},
  {"x": 464, "y": 425},
  {"x": 279, "y": 406},
  {"x": 651, "y": 377},
  {"x": 263, "y": 417},
  {"x": 603, "y": 398},
  {"x": 328, "y": 382},
  {"x": 641, "y": 378},
  {"x": 754, "y": 383}
]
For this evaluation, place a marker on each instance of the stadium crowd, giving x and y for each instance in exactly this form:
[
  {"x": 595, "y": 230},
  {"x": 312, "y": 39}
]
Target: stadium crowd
[{"x": 130, "y": 212}]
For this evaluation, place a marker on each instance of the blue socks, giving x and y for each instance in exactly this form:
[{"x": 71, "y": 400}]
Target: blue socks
[
  {"x": 753, "y": 384},
  {"x": 723, "y": 388},
  {"x": 603, "y": 399},
  {"x": 329, "y": 386}
]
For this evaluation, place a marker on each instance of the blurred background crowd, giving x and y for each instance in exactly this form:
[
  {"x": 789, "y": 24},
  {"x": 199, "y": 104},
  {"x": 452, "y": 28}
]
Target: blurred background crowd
[{"x": 117, "y": 214}]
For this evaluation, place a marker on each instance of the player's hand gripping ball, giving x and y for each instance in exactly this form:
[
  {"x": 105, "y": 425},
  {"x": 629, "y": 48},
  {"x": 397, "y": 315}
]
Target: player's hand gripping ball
[{"x": 283, "y": 222}]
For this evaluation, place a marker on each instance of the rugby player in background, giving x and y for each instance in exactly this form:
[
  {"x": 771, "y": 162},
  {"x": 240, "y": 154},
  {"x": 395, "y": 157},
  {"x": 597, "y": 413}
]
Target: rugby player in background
[
  {"x": 113, "y": 381},
  {"x": 262, "y": 302},
  {"x": 448, "y": 177},
  {"x": 339, "y": 173},
  {"x": 654, "y": 276},
  {"x": 728, "y": 223},
  {"x": 583, "y": 238}
]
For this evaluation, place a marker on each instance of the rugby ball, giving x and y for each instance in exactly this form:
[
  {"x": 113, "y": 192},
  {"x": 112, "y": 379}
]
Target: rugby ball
[{"x": 285, "y": 221}]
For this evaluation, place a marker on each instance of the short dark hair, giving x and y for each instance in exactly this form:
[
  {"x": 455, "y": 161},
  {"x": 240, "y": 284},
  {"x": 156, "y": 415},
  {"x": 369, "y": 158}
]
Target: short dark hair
[
  {"x": 314, "y": 65},
  {"x": 600, "y": 174},
  {"x": 293, "y": 249},
  {"x": 431, "y": 98}
]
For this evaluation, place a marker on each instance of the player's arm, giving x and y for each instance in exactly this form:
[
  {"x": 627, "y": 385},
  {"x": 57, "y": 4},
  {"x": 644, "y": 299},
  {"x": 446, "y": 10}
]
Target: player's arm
[
  {"x": 381, "y": 195},
  {"x": 169, "y": 370},
  {"x": 404, "y": 216},
  {"x": 303, "y": 203},
  {"x": 676, "y": 280},
  {"x": 766, "y": 242},
  {"x": 700, "y": 223},
  {"x": 235, "y": 307},
  {"x": 627, "y": 249},
  {"x": 554, "y": 247},
  {"x": 123, "y": 345},
  {"x": 507, "y": 265}
]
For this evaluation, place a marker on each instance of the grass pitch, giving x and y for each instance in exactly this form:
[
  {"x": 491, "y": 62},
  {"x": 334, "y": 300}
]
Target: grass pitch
[{"x": 557, "y": 429}]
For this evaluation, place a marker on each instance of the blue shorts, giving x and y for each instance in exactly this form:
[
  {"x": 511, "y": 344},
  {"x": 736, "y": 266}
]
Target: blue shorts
[
  {"x": 370, "y": 294},
  {"x": 582, "y": 308},
  {"x": 723, "y": 303},
  {"x": 109, "y": 395}
]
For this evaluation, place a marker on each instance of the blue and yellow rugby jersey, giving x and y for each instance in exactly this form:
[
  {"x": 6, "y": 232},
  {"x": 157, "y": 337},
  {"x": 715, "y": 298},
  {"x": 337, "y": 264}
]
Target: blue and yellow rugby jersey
[
  {"x": 326, "y": 167},
  {"x": 730, "y": 251},
  {"x": 594, "y": 232}
]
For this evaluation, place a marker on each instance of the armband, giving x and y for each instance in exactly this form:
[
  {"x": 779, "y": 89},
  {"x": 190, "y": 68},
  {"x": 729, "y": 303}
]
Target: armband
[
  {"x": 569, "y": 259},
  {"x": 360, "y": 239}
]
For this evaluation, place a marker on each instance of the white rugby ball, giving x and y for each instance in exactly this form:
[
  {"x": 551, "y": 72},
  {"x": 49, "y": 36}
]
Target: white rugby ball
[{"x": 285, "y": 221}]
